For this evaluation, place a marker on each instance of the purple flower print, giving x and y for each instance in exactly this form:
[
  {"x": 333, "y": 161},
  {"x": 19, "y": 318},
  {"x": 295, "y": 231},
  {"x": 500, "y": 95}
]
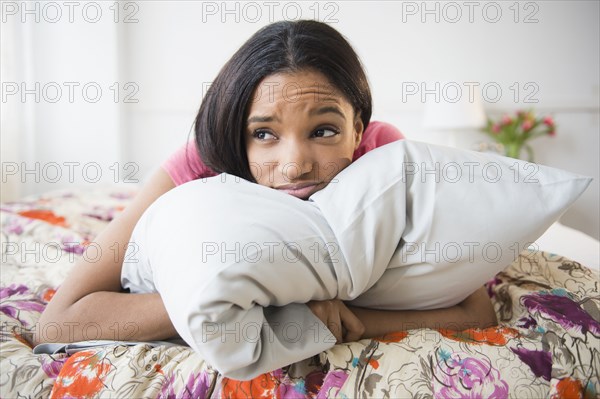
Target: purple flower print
[
  {"x": 292, "y": 390},
  {"x": 334, "y": 380},
  {"x": 72, "y": 247},
  {"x": 15, "y": 225},
  {"x": 313, "y": 382},
  {"x": 12, "y": 307},
  {"x": 13, "y": 289},
  {"x": 540, "y": 362},
  {"x": 560, "y": 308},
  {"x": 102, "y": 213},
  {"x": 527, "y": 322},
  {"x": 491, "y": 285},
  {"x": 168, "y": 387},
  {"x": 52, "y": 366},
  {"x": 459, "y": 375},
  {"x": 122, "y": 195},
  {"x": 196, "y": 387},
  {"x": 288, "y": 387}
]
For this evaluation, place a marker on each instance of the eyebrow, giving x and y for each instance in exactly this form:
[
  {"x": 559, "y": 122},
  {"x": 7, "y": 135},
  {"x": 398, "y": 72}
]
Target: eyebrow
[
  {"x": 318, "y": 111},
  {"x": 262, "y": 119},
  {"x": 326, "y": 110}
]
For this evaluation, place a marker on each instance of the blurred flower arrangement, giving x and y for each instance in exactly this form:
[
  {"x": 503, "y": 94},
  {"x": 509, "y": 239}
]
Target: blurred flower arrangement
[{"x": 513, "y": 132}]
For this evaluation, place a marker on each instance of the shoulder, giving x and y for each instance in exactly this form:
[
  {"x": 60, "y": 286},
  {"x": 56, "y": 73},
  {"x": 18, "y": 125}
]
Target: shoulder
[
  {"x": 382, "y": 132},
  {"x": 185, "y": 165},
  {"x": 375, "y": 135}
]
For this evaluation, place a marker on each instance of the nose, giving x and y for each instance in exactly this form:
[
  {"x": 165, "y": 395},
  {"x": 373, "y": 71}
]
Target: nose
[{"x": 295, "y": 161}]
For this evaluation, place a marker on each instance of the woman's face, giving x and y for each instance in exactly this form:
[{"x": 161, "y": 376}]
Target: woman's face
[{"x": 301, "y": 132}]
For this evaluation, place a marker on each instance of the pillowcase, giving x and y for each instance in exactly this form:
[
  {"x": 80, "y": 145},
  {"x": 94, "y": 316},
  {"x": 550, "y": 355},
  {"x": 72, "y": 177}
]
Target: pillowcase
[
  {"x": 235, "y": 263},
  {"x": 407, "y": 226},
  {"x": 468, "y": 216}
]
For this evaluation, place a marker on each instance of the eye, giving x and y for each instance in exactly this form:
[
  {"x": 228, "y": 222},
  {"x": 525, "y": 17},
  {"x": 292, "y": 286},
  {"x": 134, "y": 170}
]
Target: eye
[
  {"x": 326, "y": 132},
  {"x": 263, "y": 135}
]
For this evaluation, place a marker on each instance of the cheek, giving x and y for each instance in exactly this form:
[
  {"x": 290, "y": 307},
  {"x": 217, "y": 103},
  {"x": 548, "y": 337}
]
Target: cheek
[
  {"x": 334, "y": 160},
  {"x": 258, "y": 161},
  {"x": 348, "y": 146}
]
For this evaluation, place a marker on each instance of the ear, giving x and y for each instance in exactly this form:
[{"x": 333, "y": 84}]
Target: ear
[{"x": 358, "y": 130}]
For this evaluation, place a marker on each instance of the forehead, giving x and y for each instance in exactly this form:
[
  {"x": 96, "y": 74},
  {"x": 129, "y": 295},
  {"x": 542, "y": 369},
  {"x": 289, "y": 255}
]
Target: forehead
[{"x": 308, "y": 87}]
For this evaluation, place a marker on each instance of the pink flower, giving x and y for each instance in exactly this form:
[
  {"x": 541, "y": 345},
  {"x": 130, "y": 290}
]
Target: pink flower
[
  {"x": 197, "y": 386},
  {"x": 332, "y": 384},
  {"x": 548, "y": 121},
  {"x": 459, "y": 375},
  {"x": 506, "y": 120},
  {"x": 52, "y": 365},
  {"x": 527, "y": 125},
  {"x": 496, "y": 128}
]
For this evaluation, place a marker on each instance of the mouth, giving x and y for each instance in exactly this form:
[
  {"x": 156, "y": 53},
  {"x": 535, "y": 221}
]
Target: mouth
[{"x": 301, "y": 190}]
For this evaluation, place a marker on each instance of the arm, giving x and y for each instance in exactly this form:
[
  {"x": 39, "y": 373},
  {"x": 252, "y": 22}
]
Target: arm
[
  {"x": 359, "y": 323},
  {"x": 90, "y": 303},
  {"x": 474, "y": 312}
]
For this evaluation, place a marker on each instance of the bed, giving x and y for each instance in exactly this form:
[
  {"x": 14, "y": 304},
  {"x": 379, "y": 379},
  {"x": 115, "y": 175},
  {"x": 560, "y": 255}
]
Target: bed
[{"x": 547, "y": 343}]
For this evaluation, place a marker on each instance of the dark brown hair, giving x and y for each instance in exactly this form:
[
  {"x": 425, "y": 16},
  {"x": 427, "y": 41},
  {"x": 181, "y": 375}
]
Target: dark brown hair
[{"x": 286, "y": 46}]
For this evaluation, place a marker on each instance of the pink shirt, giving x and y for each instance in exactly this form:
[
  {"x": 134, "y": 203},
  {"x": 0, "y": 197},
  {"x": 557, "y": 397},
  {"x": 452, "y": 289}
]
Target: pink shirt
[{"x": 185, "y": 164}]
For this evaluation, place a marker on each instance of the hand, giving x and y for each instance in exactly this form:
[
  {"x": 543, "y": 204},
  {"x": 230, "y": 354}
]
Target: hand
[{"x": 343, "y": 324}]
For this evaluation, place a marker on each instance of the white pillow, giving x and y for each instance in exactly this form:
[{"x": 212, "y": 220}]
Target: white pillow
[
  {"x": 468, "y": 215},
  {"x": 220, "y": 249}
]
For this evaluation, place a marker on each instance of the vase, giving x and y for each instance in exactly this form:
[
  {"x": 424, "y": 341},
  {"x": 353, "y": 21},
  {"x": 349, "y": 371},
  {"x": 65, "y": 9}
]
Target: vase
[{"x": 514, "y": 150}]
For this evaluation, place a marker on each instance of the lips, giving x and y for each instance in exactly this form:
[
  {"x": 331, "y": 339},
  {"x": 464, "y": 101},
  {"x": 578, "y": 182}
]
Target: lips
[{"x": 300, "y": 190}]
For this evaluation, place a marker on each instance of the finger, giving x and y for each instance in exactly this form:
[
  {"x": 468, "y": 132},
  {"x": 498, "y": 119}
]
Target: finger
[
  {"x": 335, "y": 326},
  {"x": 355, "y": 328},
  {"x": 327, "y": 314}
]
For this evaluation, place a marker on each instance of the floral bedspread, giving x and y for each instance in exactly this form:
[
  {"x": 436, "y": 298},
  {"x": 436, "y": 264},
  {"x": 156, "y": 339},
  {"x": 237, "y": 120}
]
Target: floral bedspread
[{"x": 547, "y": 344}]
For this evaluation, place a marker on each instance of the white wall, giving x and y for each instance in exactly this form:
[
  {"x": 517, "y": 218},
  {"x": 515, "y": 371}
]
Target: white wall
[
  {"x": 63, "y": 120},
  {"x": 175, "y": 48}
]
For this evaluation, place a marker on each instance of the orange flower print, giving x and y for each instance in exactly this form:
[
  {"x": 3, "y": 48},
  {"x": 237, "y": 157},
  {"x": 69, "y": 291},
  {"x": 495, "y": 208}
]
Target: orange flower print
[
  {"x": 48, "y": 294},
  {"x": 392, "y": 337},
  {"x": 496, "y": 336},
  {"x": 45, "y": 215},
  {"x": 262, "y": 386},
  {"x": 570, "y": 388},
  {"x": 82, "y": 375}
]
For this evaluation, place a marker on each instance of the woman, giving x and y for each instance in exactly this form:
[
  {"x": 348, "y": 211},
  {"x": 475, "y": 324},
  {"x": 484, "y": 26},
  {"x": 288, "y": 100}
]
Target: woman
[{"x": 289, "y": 110}]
